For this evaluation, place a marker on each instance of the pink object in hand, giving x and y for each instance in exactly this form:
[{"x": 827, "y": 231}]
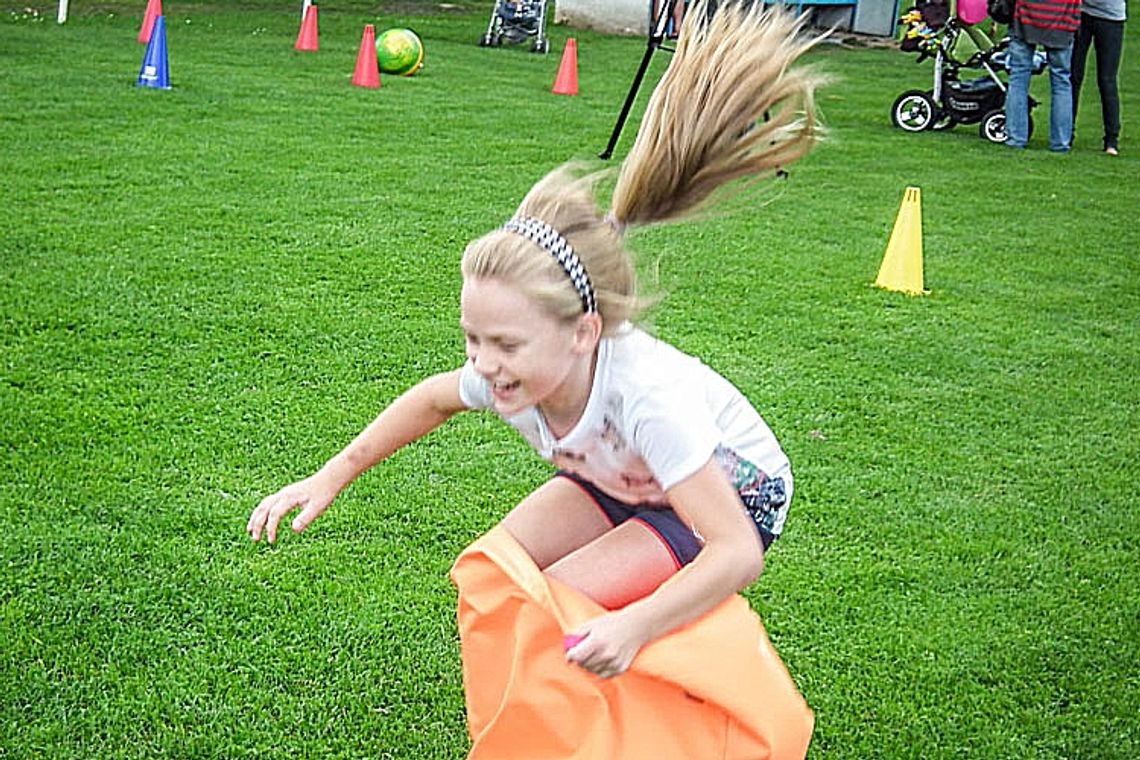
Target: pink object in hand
[{"x": 570, "y": 640}]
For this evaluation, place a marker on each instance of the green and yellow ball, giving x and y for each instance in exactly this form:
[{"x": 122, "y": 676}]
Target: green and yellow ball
[{"x": 400, "y": 52}]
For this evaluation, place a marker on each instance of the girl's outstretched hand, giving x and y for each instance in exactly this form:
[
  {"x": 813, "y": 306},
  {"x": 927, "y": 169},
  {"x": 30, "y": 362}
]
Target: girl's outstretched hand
[
  {"x": 606, "y": 645},
  {"x": 313, "y": 497}
]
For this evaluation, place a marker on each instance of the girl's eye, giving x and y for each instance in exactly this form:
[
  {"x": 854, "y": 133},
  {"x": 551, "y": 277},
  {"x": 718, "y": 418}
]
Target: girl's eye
[{"x": 509, "y": 348}]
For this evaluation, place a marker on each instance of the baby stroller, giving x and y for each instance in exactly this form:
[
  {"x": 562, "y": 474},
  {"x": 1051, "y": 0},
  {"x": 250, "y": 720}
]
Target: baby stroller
[
  {"x": 516, "y": 21},
  {"x": 952, "y": 100}
]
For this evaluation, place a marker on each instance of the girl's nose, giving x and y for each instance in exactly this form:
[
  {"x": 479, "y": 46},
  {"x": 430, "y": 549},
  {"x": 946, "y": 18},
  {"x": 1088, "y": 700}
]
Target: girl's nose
[{"x": 484, "y": 362}]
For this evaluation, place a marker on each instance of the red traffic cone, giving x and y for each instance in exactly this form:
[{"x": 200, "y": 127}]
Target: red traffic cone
[
  {"x": 367, "y": 74},
  {"x": 566, "y": 82},
  {"x": 153, "y": 11},
  {"x": 307, "y": 36}
]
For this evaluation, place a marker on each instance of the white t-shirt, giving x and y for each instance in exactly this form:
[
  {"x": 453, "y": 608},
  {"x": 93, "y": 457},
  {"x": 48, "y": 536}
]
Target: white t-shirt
[{"x": 654, "y": 417}]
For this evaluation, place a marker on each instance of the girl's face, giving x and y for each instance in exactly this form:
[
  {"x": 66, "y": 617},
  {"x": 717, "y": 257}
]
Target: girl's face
[{"x": 528, "y": 357}]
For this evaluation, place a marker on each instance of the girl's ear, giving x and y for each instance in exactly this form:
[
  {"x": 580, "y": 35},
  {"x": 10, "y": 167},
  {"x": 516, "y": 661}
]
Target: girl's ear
[{"x": 587, "y": 332}]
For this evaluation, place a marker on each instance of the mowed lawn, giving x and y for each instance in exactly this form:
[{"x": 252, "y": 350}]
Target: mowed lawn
[{"x": 205, "y": 292}]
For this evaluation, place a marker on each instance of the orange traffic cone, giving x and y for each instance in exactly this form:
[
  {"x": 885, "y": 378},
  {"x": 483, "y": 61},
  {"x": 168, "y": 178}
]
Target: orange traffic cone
[
  {"x": 566, "y": 82},
  {"x": 307, "y": 37},
  {"x": 153, "y": 11},
  {"x": 367, "y": 74}
]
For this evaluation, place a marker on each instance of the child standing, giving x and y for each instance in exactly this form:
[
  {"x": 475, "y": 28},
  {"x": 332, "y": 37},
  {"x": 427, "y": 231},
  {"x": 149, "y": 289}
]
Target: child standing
[{"x": 664, "y": 468}]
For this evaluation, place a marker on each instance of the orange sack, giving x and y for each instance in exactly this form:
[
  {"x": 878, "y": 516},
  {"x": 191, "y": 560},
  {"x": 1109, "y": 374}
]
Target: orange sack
[{"x": 713, "y": 689}]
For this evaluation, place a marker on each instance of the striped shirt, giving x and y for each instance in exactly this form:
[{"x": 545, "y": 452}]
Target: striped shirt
[{"x": 1047, "y": 22}]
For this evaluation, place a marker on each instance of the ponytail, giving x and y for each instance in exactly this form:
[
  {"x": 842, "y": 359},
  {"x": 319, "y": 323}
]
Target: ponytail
[{"x": 730, "y": 107}]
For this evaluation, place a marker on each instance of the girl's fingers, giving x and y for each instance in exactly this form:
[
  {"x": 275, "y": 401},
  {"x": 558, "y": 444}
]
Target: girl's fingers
[
  {"x": 571, "y": 640},
  {"x": 267, "y": 516},
  {"x": 273, "y": 508},
  {"x": 308, "y": 514},
  {"x": 256, "y": 522},
  {"x": 273, "y": 518},
  {"x": 600, "y": 663},
  {"x": 301, "y": 521}
]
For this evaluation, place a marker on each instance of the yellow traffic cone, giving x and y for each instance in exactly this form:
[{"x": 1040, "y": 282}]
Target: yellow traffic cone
[{"x": 902, "y": 263}]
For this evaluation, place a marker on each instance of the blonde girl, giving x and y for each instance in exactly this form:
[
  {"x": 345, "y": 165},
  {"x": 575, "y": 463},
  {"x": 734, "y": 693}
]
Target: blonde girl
[{"x": 663, "y": 468}]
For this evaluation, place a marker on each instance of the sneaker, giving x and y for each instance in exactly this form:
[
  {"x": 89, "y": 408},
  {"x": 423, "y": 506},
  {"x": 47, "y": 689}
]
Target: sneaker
[{"x": 1112, "y": 151}]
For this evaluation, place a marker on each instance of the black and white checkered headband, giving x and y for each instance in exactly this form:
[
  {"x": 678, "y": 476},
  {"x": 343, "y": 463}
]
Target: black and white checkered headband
[{"x": 546, "y": 237}]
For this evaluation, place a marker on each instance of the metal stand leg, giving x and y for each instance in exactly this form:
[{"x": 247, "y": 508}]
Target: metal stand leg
[{"x": 656, "y": 38}]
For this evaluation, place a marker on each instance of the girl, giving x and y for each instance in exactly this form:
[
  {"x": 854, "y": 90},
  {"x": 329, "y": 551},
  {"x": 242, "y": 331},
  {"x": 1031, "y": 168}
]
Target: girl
[{"x": 663, "y": 467}]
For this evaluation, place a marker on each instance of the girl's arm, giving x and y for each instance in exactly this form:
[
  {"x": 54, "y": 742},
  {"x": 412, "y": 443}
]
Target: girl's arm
[
  {"x": 732, "y": 557},
  {"x": 411, "y": 416}
]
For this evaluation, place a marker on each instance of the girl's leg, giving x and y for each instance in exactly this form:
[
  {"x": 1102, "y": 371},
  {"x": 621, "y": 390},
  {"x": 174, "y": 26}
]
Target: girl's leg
[
  {"x": 566, "y": 534},
  {"x": 557, "y": 518},
  {"x": 622, "y": 566}
]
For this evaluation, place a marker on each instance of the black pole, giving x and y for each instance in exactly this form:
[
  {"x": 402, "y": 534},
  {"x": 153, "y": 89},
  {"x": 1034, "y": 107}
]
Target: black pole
[{"x": 656, "y": 37}]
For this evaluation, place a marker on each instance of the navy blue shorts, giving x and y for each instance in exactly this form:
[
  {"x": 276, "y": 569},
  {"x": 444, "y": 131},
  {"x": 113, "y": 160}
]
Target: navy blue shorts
[{"x": 678, "y": 537}]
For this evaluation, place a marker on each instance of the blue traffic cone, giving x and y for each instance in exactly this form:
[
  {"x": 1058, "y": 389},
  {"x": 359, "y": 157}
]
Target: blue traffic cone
[{"x": 155, "y": 72}]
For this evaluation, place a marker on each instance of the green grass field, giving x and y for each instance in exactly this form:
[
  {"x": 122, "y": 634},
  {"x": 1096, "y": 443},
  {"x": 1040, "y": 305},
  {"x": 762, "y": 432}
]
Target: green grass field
[{"x": 207, "y": 291}]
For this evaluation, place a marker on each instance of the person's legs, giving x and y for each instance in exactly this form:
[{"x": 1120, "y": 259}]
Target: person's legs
[
  {"x": 1081, "y": 43},
  {"x": 1061, "y": 99},
  {"x": 678, "y": 16},
  {"x": 1109, "y": 39},
  {"x": 1017, "y": 93}
]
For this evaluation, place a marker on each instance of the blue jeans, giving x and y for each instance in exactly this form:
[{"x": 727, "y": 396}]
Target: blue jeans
[{"x": 1017, "y": 98}]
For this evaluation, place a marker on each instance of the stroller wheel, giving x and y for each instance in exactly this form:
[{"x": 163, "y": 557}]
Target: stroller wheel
[
  {"x": 540, "y": 46},
  {"x": 914, "y": 111},
  {"x": 992, "y": 127},
  {"x": 485, "y": 41}
]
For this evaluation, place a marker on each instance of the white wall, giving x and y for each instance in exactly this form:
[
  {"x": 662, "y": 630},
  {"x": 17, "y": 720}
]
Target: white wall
[
  {"x": 632, "y": 16},
  {"x": 878, "y": 16},
  {"x": 612, "y": 16}
]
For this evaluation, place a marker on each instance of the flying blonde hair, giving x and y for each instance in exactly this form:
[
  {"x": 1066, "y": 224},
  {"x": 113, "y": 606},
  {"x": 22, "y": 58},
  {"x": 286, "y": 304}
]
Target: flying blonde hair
[{"x": 730, "y": 110}]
